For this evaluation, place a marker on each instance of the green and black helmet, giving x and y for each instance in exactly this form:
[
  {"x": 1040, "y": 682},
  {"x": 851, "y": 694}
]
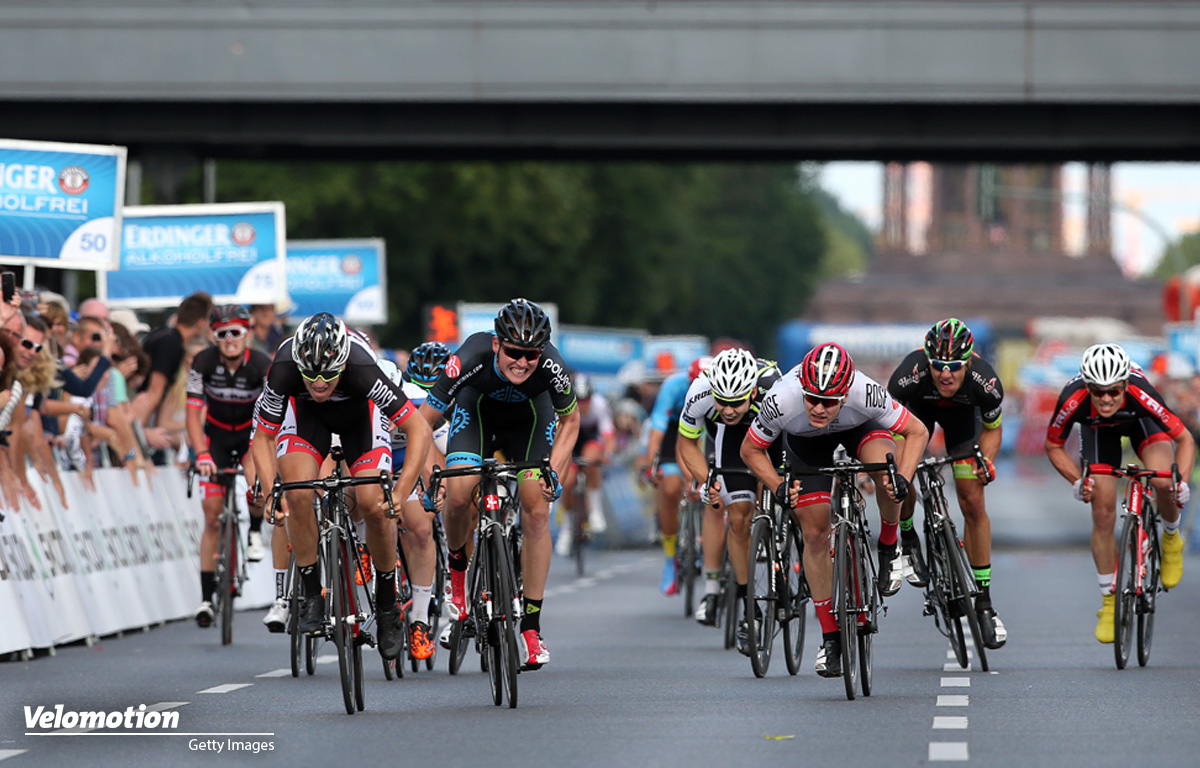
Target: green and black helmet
[{"x": 949, "y": 339}]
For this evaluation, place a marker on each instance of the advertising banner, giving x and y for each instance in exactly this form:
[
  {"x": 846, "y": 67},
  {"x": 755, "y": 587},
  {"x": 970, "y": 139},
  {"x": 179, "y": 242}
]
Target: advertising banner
[
  {"x": 599, "y": 351},
  {"x": 347, "y": 278},
  {"x": 60, "y": 204},
  {"x": 666, "y": 354},
  {"x": 476, "y": 317},
  {"x": 234, "y": 251}
]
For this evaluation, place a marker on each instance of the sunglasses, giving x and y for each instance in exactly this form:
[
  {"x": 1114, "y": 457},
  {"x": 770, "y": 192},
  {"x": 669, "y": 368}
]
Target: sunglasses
[
  {"x": 1113, "y": 392},
  {"x": 519, "y": 354},
  {"x": 828, "y": 402},
  {"x": 30, "y": 345},
  {"x": 947, "y": 365},
  {"x": 325, "y": 376},
  {"x": 225, "y": 334},
  {"x": 730, "y": 403}
]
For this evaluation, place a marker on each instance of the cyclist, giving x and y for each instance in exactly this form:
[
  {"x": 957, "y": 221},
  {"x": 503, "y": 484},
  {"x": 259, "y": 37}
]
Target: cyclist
[
  {"x": 424, "y": 366},
  {"x": 227, "y": 380},
  {"x": 596, "y": 444},
  {"x": 947, "y": 383},
  {"x": 821, "y": 404},
  {"x": 507, "y": 387},
  {"x": 1111, "y": 399},
  {"x": 724, "y": 400},
  {"x": 669, "y": 478},
  {"x": 325, "y": 380}
]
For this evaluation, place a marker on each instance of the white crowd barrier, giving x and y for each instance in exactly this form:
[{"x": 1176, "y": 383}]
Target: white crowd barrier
[{"x": 116, "y": 558}]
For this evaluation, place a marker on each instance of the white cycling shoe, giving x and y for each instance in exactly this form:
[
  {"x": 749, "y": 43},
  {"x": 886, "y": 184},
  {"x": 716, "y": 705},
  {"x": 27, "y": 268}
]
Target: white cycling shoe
[
  {"x": 277, "y": 616},
  {"x": 255, "y": 550}
]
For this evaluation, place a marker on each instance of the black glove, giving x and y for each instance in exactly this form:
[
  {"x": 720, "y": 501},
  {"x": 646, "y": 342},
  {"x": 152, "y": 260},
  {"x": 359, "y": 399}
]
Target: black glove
[
  {"x": 901, "y": 489},
  {"x": 783, "y": 494}
]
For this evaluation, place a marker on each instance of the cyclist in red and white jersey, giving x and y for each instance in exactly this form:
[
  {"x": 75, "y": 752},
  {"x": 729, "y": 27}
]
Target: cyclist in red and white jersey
[
  {"x": 821, "y": 404},
  {"x": 1111, "y": 399}
]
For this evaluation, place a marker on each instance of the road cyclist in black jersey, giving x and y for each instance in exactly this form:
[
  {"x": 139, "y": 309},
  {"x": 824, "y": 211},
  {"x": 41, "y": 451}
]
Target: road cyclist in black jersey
[
  {"x": 1110, "y": 399},
  {"x": 723, "y": 401},
  {"x": 223, "y": 385},
  {"x": 947, "y": 383},
  {"x": 511, "y": 391},
  {"x": 326, "y": 380}
]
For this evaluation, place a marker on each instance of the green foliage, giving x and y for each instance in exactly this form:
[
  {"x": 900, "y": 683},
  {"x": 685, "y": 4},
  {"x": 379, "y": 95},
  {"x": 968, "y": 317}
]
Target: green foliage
[
  {"x": 687, "y": 248},
  {"x": 1179, "y": 256}
]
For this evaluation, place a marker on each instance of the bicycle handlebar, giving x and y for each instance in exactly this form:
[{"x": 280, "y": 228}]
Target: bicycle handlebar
[
  {"x": 844, "y": 468},
  {"x": 1133, "y": 472},
  {"x": 193, "y": 473},
  {"x": 490, "y": 466},
  {"x": 975, "y": 453},
  {"x": 333, "y": 483}
]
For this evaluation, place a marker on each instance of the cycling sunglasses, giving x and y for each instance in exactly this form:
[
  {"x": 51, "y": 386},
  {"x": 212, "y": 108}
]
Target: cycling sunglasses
[
  {"x": 518, "y": 354},
  {"x": 325, "y": 376},
  {"x": 953, "y": 366},
  {"x": 30, "y": 345},
  {"x": 828, "y": 402},
  {"x": 730, "y": 403},
  {"x": 1113, "y": 392},
  {"x": 229, "y": 333}
]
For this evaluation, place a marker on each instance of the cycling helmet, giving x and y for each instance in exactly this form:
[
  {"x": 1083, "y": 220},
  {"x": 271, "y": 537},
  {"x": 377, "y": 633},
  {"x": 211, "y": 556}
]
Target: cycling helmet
[
  {"x": 427, "y": 362},
  {"x": 582, "y": 387},
  {"x": 949, "y": 339},
  {"x": 733, "y": 374},
  {"x": 524, "y": 323},
  {"x": 391, "y": 371},
  {"x": 321, "y": 344},
  {"x": 229, "y": 314},
  {"x": 699, "y": 366},
  {"x": 827, "y": 371},
  {"x": 1104, "y": 365}
]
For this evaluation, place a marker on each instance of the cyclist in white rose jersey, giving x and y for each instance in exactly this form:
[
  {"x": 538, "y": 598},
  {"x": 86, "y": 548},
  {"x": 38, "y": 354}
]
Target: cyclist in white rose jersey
[{"x": 819, "y": 405}]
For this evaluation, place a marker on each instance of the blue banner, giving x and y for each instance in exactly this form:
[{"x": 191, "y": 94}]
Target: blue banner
[
  {"x": 599, "y": 350},
  {"x": 233, "y": 251},
  {"x": 347, "y": 278},
  {"x": 60, "y": 204},
  {"x": 664, "y": 355}
]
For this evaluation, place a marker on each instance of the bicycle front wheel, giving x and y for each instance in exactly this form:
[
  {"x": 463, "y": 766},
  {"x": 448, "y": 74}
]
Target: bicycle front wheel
[
  {"x": 794, "y": 602},
  {"x": 225, "y": 568},
  {"x": 964, "y": 582},
  {"x": 295, "y": 639},
  {"x": 688, "y": 555},
  {"x": 506, "y": 655},
  {"x": 845, "y": 606},
  {"x": 1125, "y": 591},
  {"x": 1148, "y": 599},
  {"x": 734, "y": 609},
  {"x": 342, "y": 638},
  {"x": 866, "y": 617},
  {"x": 761, "y": 596}
]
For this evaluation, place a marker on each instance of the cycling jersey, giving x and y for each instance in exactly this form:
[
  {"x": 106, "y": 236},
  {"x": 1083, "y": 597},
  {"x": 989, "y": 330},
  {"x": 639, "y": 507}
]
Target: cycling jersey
[
  {"x": 416, "y": 395},
  {"x": 229, "y": 394},
  {"x": 595, "y": 423},
  {"x": 672, "y": 397},
  {"x": 963, "y": 416}
]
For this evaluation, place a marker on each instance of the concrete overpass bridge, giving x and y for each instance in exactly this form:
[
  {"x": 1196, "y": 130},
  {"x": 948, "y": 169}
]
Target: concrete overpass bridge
[{"x": 389, "y": 79}]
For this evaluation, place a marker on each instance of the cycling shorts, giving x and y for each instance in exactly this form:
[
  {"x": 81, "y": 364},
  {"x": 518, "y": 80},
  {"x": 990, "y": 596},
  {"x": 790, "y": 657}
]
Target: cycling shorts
[
  {"x": 818, "y": 450},
  {"x": 221, "y": 445},
  {"x": 1102, "y": 445},
  {"x": 727, "y": 446},
  {"x": 364, "y": 432},
  {"x": 522, "y": 431}
]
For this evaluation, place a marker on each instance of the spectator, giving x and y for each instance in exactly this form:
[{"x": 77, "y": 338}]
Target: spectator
[
  {"x": 39, "y": 377},
  {"x": 128, "y": 320},
  {"x": 166, "y": 350},
  {"x": 58, "y": 320},
  {"x": 267, "y": 331},
  {"x": 172, "y": 414}
]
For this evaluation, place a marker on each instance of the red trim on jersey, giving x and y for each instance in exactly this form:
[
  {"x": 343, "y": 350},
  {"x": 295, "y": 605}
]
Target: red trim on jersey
[
  {"x": 376, "y": 458},
  {"x": 211, "y": 489},
  {"x": 403, "y": 413},
  {"x": 195, "y": 402},
  {"x": 903, "y": 419},
  {"x": 293, "y": 444},
  {"x": 230, "y": 427},
  {"x": 1158, "y": 409},
  {"x": 875, "y": 434},
  {"x": 1157, "y": 437},
  {"x": 267, "y": 427},
  {"x": 754, "y": 438},
  {"x": 1060, "y": 425},
  {"x": 816, "y": 497}
]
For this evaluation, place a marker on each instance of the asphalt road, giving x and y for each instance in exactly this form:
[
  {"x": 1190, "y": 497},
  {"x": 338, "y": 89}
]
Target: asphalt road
[{"x": 632, "y": 682}]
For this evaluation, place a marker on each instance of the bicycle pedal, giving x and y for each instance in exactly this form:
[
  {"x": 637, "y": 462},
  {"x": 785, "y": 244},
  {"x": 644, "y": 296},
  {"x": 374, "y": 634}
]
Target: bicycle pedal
[{"x": 929, "y": 610}]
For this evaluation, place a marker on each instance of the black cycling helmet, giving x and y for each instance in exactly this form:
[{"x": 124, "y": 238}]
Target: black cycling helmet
[
  {"x": 321, "y": 344},
  {"x": 427, "y": 362},
  {"x": 229, "y": 314},
  {"x": 949, "y": 339},
  {"x": 523, "y": 323}
]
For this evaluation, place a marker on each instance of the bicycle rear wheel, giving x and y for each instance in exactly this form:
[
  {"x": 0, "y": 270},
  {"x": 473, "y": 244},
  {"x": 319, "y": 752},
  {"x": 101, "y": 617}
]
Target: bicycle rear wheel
[
  {"x": 1149, "y": 599},
  {"x": 339, "y": 590},
  {"x": 733, "y": 608},
  {"x": 356, "y": 645},
  {"x": 295, "y": 639},
  {"x": 795, "y": 600},
  {"x": 1125, "y": 591},
  {"x": 761, "y": 596},
  {"x": 865, "y": 620},
  {"x": 310, "y": 655},
  {"x": 225, "y": 568},
  {"x": 435, "y": 602},
  {"x": 844, "y": 581}
]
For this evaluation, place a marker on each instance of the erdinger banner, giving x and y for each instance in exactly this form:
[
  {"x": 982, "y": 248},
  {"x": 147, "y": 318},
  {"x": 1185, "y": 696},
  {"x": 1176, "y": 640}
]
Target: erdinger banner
[
  {"x": 347, "y": 278},
  {"x": 234, "y": 251},
  {"x": 60, "y": 204}
]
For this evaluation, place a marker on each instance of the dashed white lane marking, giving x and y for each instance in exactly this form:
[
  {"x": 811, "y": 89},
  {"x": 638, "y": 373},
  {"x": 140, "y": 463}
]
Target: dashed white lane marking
[
  {"x": 950, "y": 654},
  {"x": 956, "y": 682},
  {"x": 328, "y": 658},
  {"x": 949, "y": 723},
  {"x": 953, "y": 666},
  {"x": 226, "y": 688},
  {"x": 953, "y": 701},
  {"x": 948, "y": 751},
  {"x": 276, "y": 673},
  {"x": 7, "y": 753}
]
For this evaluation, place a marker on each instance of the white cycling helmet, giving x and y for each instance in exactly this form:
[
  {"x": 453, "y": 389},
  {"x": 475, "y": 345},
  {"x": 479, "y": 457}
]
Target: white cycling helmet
[
  {"x": 391, "y": 371},
  {"x": 1104, "y": 365},
  {"x": 733, "y": 374}
]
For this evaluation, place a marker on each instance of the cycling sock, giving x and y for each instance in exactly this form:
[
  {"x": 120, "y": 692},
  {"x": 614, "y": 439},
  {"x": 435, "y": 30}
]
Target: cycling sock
[
  {"x": 1171, "y": 526},
  {"x": 906, "y": 525},
  {"x": 1106, "y": 583},
  {"x": 669, "y": 543},
  {"x": 208, "y": 585},
  {"x": 825, "y": 616},
  {"x": 420, "y": 605},
  {"x": 740, "y": 594},
  {"x": 280, "y": 582},
  {"x": 256, "y": 523},
  {"x": 533, "y": 616},
  {"x": 983, "y": 575},
  {"x": 311, "y": 575},
  {"x": 887, "y": 533},
  {"x": 385, "y": 589},
  {"x": 593, "y": 502},
  {"x": 712, "y": 582},
  {"x": 457, "y": 559}
]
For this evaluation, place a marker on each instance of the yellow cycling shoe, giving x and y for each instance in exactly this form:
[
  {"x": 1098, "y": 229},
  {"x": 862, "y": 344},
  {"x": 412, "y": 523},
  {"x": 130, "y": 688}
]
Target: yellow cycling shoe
[
  {"x": 1172, "y": 559},
  {"x": 1105, "y": 629}
]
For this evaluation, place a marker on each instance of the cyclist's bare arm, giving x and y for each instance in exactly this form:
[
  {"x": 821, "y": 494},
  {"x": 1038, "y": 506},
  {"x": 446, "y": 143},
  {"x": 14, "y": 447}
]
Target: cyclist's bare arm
[
  {"x": 262, "y": 449},
  {"x": 916, "y": 437},
  {"x": 564, "y": 442},
  {"x": 690, "y": 456},
  {"x": 420, "y": 440},
  {"x": 430, "y": 413},
  {"x": 1185, "y": 453}
]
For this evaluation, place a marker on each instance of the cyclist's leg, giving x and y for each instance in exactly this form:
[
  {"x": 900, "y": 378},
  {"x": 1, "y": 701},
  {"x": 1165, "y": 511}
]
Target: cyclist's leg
[
  {"x": 254, "y": 505},
  {"x": 593, "y": 452},
  {"x": 302, "y": 445},
  {"x": 211, "y": 504},
  {"x": 873, "y": 445},
  {"x": 1157, "y": 451},
  {"x": 464, "y": 447},
  {"x": 1103, "y": 447}
]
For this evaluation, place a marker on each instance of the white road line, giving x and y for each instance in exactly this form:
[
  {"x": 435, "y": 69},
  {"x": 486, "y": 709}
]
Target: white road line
[
  {"x": 276, "y": 673},
  {"x": 949, "y": 723},
  {"x": 948, "y": 751},
  {"x": 953, "y": 666},
  {"x": 956, "y": 682},
  {"x": 226, "y": 688},
  {"x": 328, "y": 658},
  {"x": 7, "y": 753},
  {"x": 953, "y": 701}
]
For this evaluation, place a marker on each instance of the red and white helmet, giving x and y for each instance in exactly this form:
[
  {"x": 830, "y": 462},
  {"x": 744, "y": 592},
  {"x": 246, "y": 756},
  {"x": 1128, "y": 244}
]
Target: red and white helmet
[
  {"x": 827, "y": 371},
  {"x": 699, "y": 366}
]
